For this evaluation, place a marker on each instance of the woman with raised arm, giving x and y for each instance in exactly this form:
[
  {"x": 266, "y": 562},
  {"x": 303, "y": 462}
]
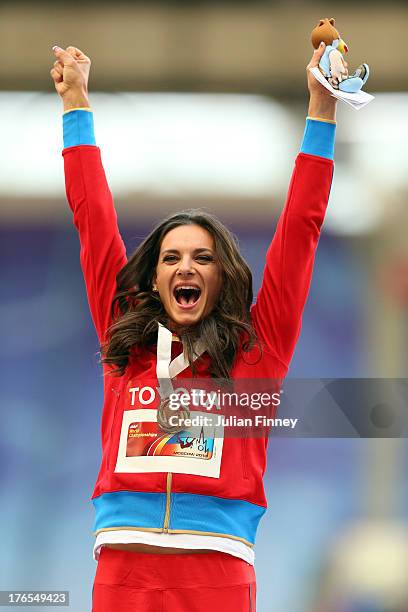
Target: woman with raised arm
[{"x": 176, "y": 516}]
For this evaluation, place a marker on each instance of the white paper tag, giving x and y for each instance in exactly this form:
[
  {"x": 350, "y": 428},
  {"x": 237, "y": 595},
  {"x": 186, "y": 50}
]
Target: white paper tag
[{"x": 356, "y": 100}]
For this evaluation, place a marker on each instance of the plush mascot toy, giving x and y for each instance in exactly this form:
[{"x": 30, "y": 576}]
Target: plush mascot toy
[{"x": 332, "y": 64}]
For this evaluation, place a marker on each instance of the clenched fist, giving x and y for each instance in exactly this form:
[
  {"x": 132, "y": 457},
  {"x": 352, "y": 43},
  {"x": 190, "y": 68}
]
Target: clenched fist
[{"x": 70, "y": 74}]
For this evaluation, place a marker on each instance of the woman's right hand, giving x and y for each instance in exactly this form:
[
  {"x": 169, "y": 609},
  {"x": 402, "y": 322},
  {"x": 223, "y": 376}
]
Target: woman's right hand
[{"x": 70, "y": 74}]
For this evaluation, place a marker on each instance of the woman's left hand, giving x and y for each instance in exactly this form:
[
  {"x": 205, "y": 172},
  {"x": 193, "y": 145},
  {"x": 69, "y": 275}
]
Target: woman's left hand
[{"x": 322, "y": 103}]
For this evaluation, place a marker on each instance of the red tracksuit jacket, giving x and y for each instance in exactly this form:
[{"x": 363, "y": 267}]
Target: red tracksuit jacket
[{"x": 173, "y": 499}]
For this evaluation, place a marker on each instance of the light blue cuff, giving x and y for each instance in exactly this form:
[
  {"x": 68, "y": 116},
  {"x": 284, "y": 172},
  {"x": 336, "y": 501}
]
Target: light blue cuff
[
  {"x": 318, "y": 138},
  {"x": 78, "y": 128}
]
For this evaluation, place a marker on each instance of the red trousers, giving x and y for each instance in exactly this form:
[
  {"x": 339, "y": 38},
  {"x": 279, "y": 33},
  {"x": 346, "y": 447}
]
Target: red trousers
[{"x": 128, "y": 581}]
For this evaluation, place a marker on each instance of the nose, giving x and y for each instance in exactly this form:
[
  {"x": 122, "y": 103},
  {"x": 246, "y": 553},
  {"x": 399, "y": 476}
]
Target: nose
[{"x": 185, "y": 267}]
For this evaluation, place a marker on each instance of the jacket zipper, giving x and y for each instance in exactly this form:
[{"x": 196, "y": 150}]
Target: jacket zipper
[
  {"x": 244, "y": 451},
  {"x": 168, "y": 498}
]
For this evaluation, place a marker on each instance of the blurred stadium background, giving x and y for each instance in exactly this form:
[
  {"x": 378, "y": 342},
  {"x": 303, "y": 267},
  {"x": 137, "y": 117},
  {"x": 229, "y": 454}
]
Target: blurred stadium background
[{"x": 203, "y": 104}]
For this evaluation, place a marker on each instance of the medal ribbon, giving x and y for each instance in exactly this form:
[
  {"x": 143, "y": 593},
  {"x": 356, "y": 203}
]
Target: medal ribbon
[{"x": 166, "y": 369}]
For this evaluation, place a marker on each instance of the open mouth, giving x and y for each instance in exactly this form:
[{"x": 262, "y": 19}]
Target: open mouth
[{"x": 187, "y": 296}]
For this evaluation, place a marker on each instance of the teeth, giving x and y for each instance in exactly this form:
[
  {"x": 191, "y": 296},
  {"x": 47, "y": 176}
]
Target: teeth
[{"x": 188, "y": 287}]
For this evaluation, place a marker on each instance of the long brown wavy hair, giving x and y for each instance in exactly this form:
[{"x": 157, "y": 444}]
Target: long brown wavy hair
[{"x": 136, "y": 309}]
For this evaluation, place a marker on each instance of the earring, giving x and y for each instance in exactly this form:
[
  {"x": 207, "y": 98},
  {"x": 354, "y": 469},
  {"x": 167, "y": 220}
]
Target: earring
[{"x": 155, "y": 289}]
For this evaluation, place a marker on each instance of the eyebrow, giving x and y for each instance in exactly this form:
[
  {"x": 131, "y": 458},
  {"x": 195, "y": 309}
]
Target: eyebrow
[{"x": 200, "y": 250}]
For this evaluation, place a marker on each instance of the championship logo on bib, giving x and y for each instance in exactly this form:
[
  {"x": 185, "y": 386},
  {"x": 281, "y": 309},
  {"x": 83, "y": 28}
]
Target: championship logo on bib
[{"x": 144, "y": 440}]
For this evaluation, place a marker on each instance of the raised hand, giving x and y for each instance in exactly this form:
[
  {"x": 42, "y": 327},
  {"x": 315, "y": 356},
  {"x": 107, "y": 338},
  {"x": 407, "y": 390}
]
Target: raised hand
[
  {"x": 322, "y": 104},
  {"x": 70, "y": 74}
]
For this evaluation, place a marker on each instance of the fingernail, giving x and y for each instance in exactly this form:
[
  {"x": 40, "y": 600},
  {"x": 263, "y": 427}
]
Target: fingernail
[{"x": 56, "y": 47}]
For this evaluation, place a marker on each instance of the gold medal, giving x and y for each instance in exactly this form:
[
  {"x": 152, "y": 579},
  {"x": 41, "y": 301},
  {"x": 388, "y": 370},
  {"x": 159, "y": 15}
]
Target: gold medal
[{"x": 176, "y": 423}]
